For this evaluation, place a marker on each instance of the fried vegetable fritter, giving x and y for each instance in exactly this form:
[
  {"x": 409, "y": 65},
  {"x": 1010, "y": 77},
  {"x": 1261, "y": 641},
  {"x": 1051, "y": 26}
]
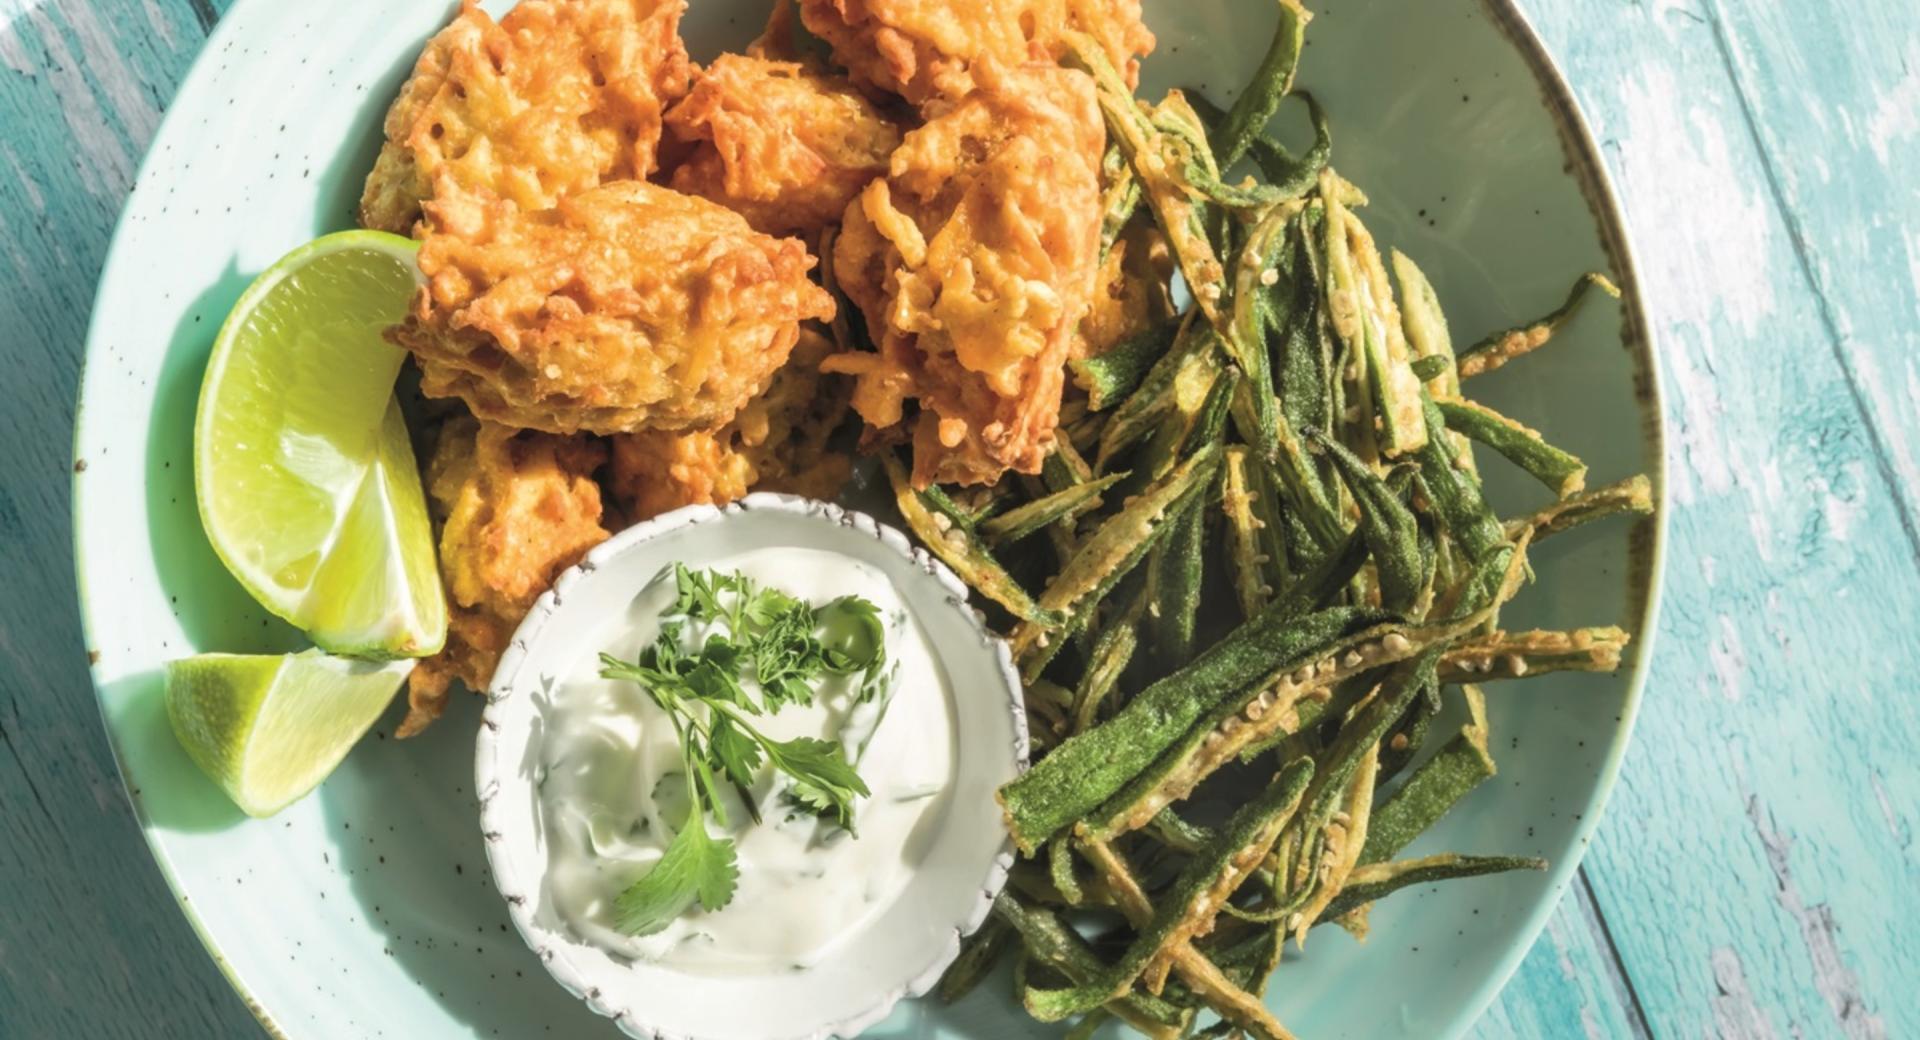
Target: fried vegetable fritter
[
  {"x": 784, "y": 144},
  {"x": 778, "y": 442},
  {"x": 625, "y": 307},
  {"x": 974, "y": 262},
  {"x": 926, "y": 49},
  {"x": 557, "y": 97},
  {"x": 515, "y": 510}
]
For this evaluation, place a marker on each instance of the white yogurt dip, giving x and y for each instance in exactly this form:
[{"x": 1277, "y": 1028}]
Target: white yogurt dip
[{"x": 613, "y": 793}]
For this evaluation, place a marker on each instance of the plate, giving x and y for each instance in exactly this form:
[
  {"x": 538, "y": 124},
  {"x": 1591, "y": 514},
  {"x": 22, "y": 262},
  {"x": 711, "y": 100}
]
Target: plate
[{"x": 366, "y": 910}]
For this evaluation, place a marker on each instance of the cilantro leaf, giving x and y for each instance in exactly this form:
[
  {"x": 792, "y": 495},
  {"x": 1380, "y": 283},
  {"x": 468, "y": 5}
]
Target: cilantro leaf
[
  {"x": 710, "y": 681},
  {"x": 768, "y": 605},
  {"x": 734, "y": 753},
  {"x": 699, "y": 593},
  {"x": 824, "y": 781},
  {"x": 789, "y": 645},
  {"x": 696, "y": 867},
  {"x": 852, "y": 634}
]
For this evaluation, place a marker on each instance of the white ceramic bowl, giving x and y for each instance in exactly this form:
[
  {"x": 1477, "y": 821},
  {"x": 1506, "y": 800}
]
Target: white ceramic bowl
[{"x": 901, "y": 952}]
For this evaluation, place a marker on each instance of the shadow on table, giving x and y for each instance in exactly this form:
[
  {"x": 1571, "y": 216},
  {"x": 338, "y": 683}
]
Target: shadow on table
[
  {"x": 216, "y": 613},
  {"x": 168, "y": 790}
]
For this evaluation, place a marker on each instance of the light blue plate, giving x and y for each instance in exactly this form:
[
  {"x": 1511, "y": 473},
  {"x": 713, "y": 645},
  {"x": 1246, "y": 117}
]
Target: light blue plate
[{"x": 365, "y": 910}]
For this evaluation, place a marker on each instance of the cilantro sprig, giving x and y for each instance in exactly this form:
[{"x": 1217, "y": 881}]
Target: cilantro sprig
[{"x": 787, "y": 646}]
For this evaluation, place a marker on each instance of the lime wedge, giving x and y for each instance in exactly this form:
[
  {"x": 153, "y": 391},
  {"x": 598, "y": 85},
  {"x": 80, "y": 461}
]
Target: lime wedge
[
  {"x": 305, "y": 477},
  {"x": 269, "y": 729}
]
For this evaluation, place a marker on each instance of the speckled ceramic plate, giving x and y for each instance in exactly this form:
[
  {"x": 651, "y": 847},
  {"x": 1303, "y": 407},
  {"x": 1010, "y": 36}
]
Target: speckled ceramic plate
[{"x": 365, "y": 910}]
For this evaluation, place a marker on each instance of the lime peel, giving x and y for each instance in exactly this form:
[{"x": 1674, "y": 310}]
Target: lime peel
[
  {"x": 303, "y": 470},
  {"x": 269, "y": 729}
]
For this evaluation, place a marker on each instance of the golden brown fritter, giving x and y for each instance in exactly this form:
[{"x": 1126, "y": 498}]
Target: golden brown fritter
[
  {"x": 784, "y": 144},
  {"x": 557, "y": 97},
  {"x": 654, "y": 473},
  {"x": 778, "y": 442},
  {"x": 974, "y": 262},
  {"x": 926, "y": 49},
  {"x": 516, "y": 509},
  {"x": 625, "y": 307}
]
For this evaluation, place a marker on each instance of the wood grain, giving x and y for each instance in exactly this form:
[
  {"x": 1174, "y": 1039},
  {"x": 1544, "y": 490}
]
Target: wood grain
[
  {"x": 1758, "y": 863},
  {"x": 91, "y": 943}
]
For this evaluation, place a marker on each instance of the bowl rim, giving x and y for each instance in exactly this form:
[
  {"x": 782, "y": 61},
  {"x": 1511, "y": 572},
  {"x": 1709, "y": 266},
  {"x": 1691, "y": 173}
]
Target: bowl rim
[
  {"x": 1646, "y": 555},
  {"x": 493, "y": 765},
  {"x": 1580, "y": 147}
]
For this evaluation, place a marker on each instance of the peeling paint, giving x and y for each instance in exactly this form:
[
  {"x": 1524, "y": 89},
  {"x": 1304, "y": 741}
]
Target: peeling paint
[
  {"x": 1729, "y": 659},
  {"x": 102, "y": 160},
  {"x": 1896, "y": 116},
  {"x": 1836, "y": 983},
  {"x": 13, "y": 52},
  {"x": 24, "y": 180},
  {"x": 1895, "y": 825},
  {"x": 136, "y": 111},
  {"x": 1843, "y": 501},
  {"x": 162, "y": 25},
  {"x": 1735, "y": 1014},
  {"x": 1681, "y": 177}
]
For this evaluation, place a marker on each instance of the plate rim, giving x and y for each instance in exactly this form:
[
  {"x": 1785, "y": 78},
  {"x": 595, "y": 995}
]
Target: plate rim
[{"x": 1647, "y": 559}]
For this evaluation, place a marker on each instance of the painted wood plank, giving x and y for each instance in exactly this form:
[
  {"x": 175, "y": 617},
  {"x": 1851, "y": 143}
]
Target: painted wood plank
[
  {"x": 1757, "y": 862},
  {"x": 1571, "y": 937},
  {"x": 1836, "y": 108},
  {"x": 91, "y": 943},
  {"x": 1570, "y": 985}
]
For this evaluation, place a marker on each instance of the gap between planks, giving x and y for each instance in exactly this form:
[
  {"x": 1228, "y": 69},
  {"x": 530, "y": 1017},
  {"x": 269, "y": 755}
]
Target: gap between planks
[{"x": 1796, "y": 233}]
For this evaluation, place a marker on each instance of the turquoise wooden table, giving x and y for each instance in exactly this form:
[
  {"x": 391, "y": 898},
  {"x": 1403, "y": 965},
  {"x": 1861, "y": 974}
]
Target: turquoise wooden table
[{"x": 1756, "y": 875}]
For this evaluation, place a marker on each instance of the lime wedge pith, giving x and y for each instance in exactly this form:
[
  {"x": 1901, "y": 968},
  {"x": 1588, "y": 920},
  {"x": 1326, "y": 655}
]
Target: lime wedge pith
[
  {"x": 306, "y": 481},
  {"x": 269, "y": 729}
]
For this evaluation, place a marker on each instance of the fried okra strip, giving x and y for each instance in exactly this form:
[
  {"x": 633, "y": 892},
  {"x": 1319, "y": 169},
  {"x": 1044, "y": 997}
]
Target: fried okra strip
[
  {"x": 1633, "y": 496},
  {"x": 1271, "y": 82},
  {"x": 979, "y": 952},
  {"x": 1107, "y": 661},
  {"x": 1516, "y": 655},
  {"x": 1112, "y": 376},
  {"x": 1435, "y": 785},
  {"x": 1174, "y": 575},
  {"x": 1501, "y": 347},
  {"x": 1052, "y": 942},
  {"x": 1455, "y": 493},
  {"x": 958, "y": 549},
  {"x": 1375, "y": 881},
  {"x": 1562, "y": 473},
  {"x": 1360, "y": 302},
  {"x": 1252, "y": 540},
  {"x": 1120, "y": 197},
  {"x": 1389, "y": 527},
  {"x": 1188, "y": 908},
  {"x": 1114, "y": 549},
  {"x": 1251, "y": 314},
  {"x": 1160, "y": 162},
  {"x": 1021, "y": 521},
  {"x": 1340, "y": 840},
  {"x": 1087, "y": 770}
]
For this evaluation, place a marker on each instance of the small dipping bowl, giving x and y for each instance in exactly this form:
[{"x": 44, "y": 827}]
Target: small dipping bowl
[{"x": 899, "y": 952}]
